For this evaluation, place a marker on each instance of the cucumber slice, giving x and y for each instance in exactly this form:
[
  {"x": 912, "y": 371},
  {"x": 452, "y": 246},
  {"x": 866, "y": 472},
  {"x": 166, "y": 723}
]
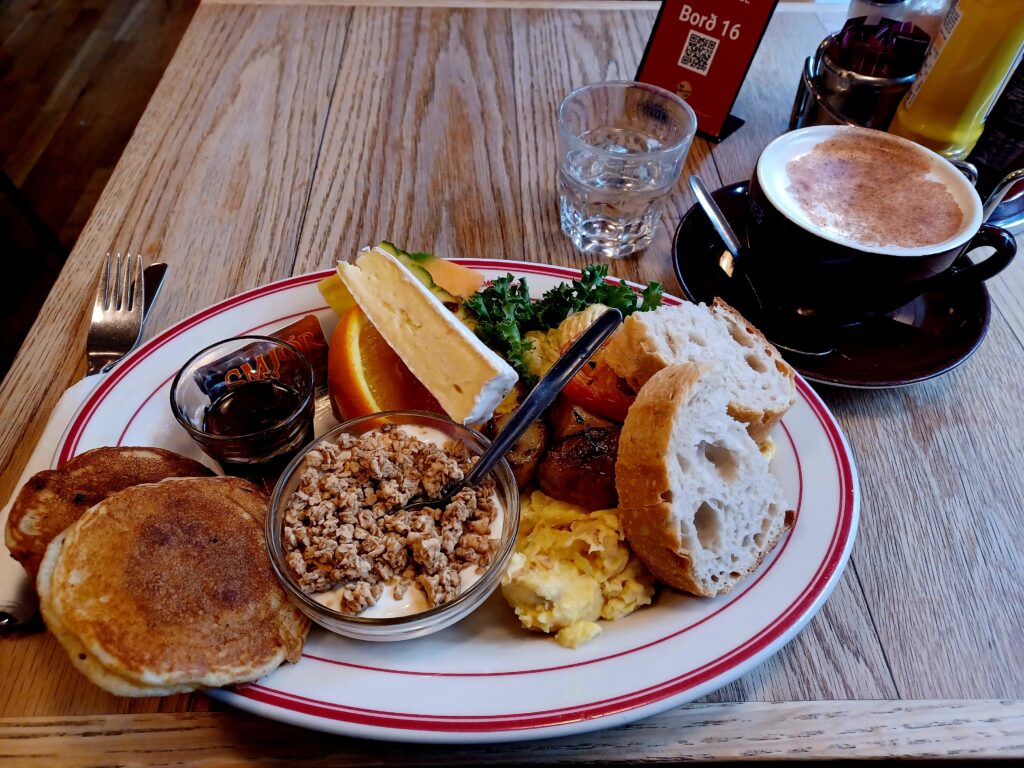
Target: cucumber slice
[
  {"x": 391, "y": 248},
  {"x": 417, "y": 271},
  {"x": 414, "y": 263}
]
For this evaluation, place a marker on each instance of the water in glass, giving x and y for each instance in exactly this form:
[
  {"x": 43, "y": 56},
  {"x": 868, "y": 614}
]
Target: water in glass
[
  {"x": 611, "y": 201},
  {"x": 621, "y": 148}
]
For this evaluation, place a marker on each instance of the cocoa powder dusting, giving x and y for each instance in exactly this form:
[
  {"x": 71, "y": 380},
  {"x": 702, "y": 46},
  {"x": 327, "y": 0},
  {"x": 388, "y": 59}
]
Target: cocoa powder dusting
[{"x": 874, "y": 190}]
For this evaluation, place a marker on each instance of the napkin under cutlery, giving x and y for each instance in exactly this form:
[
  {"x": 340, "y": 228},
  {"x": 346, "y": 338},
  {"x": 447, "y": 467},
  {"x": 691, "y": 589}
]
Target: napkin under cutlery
[{"x": 17, "y": 594}]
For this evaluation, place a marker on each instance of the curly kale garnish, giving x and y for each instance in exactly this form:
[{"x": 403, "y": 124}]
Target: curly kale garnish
[{"x": 504, "y": 312}]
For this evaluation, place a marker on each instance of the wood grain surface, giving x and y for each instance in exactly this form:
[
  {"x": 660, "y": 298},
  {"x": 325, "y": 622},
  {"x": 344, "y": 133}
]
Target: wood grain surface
[
  {"x": 284, "y": 136},
  {"x": 76, "y": 77},
  {"x": 696, "y": 732},
  {"x": 604, "y": 5},
  {"x": 421, "y": 148}
]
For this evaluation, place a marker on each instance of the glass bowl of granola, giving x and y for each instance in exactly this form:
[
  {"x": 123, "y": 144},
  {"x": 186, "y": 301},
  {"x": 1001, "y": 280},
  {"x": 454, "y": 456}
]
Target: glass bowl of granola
[{"x": 356, "y": 562}]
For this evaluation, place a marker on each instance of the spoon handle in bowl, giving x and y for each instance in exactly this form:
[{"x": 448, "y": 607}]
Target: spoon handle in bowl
[{"x": 547, "y": 389}]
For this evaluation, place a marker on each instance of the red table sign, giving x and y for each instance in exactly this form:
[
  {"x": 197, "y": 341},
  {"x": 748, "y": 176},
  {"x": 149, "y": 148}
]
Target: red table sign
[{"x": 702, "y": 49}]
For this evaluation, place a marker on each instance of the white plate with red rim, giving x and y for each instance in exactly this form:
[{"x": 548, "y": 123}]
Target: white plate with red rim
[{"x": 485, "y": 679}]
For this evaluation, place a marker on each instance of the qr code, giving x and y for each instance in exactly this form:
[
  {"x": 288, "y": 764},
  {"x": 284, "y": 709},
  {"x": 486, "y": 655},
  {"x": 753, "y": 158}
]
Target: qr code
[{"x": 698, "y": 52}]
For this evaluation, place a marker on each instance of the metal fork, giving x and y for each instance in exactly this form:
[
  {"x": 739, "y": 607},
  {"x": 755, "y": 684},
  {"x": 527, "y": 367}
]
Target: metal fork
[{"x": 116, "y": 313}]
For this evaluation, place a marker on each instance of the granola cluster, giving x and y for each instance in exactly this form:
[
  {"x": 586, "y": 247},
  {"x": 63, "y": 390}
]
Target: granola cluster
[{"x": 344, "y": 526}]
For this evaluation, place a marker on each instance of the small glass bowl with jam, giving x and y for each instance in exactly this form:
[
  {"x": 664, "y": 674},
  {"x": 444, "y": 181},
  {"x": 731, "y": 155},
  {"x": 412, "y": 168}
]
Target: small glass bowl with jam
[{"x": 247, "y": 402}]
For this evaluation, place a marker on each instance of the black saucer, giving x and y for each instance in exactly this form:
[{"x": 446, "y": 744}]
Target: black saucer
[{"x": 923, "y": 339}]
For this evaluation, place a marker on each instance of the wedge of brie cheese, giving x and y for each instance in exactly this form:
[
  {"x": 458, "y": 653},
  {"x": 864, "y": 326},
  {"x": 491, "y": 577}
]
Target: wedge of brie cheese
[{"x": 466, "y": 377}]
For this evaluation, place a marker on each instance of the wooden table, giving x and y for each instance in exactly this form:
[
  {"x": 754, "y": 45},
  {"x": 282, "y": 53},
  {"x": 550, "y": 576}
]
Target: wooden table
[{"x": 285, "y": 135}]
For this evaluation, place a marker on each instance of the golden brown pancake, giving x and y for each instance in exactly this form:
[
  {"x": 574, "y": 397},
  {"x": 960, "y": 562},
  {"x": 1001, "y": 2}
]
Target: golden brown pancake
[
  {"x": 82, "y": 659},
  {"x": 54, "y": 498},
  {"x": 167, "y": 587}
]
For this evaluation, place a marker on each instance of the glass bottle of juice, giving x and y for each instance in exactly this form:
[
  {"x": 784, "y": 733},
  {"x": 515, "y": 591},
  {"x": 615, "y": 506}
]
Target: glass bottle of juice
[{"x": 977, "y": 48}]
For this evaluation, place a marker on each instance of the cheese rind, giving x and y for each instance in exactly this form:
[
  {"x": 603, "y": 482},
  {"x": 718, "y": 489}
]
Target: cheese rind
[{"x": 467, "y": 378}]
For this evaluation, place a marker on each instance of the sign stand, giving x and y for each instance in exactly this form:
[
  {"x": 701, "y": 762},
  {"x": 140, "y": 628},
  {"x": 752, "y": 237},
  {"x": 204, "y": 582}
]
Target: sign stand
[
  {"x": 731, "y": 124},
  {"x": 702, "y": 50}
]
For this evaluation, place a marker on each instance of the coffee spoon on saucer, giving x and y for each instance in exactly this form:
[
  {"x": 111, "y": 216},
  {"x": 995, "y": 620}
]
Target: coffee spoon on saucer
[{"x": 734, "y": 253}]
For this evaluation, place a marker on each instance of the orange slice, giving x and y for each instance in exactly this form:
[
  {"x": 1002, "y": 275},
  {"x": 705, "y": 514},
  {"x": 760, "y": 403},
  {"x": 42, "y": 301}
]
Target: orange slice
[{"x": 364, "y": 375}]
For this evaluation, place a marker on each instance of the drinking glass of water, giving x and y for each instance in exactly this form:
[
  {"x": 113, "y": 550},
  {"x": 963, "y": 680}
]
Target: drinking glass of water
[{"x": 621, "y": 148}]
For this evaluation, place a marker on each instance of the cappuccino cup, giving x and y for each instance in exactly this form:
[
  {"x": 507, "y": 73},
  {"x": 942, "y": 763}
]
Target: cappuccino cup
[{"x": 849, "y": 222}]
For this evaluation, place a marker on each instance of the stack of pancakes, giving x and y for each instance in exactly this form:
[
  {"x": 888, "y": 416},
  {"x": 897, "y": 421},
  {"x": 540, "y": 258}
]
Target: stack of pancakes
[
  {"x": 55, "y": 498},
  {"x": 165, "y": 587}
]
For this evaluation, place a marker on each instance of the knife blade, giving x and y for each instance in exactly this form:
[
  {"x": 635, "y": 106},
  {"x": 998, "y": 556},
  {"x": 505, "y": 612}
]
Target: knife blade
[{"x": 152, "y": 280}]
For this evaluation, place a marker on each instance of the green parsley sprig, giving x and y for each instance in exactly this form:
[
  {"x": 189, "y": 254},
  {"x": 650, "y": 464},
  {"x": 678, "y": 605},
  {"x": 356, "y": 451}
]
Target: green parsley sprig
[{"x": 504, "y": 312}]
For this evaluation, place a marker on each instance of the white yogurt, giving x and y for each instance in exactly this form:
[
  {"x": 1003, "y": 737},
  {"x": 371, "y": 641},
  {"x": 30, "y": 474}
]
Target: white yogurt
[{"x": 415, "y": 600}]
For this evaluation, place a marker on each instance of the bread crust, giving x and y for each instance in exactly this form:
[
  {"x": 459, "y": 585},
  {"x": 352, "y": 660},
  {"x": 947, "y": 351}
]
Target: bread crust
[
  {"x": 647, "y": 529},
  {"x": 759, "y": 422},
  {"x": 642, "y": 477},
  {"x": 644, "y": 483},
  {"x": 634, "y": 355},
  {"x": 631, "y": 354}
]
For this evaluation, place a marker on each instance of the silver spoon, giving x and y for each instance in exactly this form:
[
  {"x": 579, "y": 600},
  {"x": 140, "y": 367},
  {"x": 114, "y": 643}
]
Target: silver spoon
[
  {"x": 806, "y": 346},
  {"x": 718, "y": 220},
  {"x": 547, "y": 389}
]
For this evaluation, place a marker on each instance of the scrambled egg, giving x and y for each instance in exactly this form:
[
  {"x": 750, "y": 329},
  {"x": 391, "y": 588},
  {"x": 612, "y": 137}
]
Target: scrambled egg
[
  {"x": 547, "y": 345},
  {"x": 572, "y": 567}
]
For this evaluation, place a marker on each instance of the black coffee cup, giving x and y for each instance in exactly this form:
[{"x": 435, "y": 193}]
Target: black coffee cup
[{"x": 803, "y": 266}]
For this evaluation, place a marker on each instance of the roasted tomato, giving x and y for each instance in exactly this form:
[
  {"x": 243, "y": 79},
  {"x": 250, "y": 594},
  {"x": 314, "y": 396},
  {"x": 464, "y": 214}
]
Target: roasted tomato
[
  {"x": 568, "y": 418},
  {"x": 600, "y": 390}
]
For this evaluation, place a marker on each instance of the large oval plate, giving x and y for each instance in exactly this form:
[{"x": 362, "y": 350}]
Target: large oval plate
[{"x": 486, "y": 679}]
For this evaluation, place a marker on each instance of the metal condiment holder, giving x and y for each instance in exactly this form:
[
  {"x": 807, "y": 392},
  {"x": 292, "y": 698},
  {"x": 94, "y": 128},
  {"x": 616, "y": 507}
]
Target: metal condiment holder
[{"x": 829, "y": 94}]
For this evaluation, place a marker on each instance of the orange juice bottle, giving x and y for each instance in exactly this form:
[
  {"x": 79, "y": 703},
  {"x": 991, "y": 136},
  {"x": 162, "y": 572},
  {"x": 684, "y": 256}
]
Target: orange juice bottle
[{"x": 978, "y": 46}]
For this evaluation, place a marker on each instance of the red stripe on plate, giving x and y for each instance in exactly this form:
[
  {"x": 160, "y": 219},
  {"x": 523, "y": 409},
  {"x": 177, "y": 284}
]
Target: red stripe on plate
[
  {"x": 70, "y": 445},
  {"x": 747, "y": 588},
  {"x": 652, "y": 694},
  {"x": 165, "y": 382}
]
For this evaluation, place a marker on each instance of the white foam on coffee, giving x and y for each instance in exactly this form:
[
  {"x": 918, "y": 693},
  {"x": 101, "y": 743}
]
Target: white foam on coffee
[{"x": 774, "y": 180}]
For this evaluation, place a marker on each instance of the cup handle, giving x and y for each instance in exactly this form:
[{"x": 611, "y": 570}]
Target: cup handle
[
  {"x": 969, "y": 170},
  {"x": 995, "y": 237}
]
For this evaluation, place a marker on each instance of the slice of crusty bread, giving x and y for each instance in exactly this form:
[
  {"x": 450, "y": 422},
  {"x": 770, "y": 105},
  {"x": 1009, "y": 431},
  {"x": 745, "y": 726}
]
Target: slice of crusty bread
[
  {"x": 698, "y": 501},
  {"x": 761, "y": 384}
]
